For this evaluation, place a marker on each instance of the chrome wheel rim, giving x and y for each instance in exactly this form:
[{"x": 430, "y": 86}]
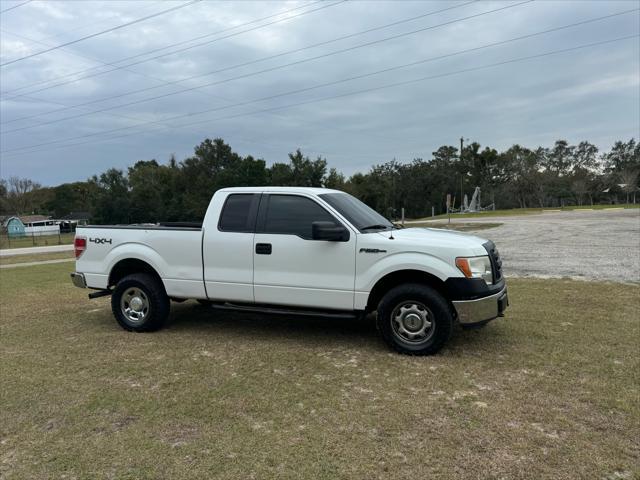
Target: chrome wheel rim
[
  {"x": 412, "y": 322},
  {"x": 134, "y": 305}
]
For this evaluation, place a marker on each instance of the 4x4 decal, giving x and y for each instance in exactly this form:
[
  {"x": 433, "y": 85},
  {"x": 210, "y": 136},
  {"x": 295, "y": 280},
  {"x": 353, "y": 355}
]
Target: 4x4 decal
[{"x": 100, "y": 240}]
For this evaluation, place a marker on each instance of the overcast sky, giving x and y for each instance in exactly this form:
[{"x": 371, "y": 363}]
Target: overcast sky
[{"x": 590, "y": 93}]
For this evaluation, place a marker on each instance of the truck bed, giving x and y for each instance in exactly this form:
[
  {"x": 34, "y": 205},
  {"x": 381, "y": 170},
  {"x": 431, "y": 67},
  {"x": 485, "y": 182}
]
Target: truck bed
[{"x": 174, "y": 250}]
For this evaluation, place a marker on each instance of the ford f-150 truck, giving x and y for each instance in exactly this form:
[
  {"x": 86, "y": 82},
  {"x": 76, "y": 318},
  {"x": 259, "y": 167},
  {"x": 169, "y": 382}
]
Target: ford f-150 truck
[{"x": 297, "y": 250}]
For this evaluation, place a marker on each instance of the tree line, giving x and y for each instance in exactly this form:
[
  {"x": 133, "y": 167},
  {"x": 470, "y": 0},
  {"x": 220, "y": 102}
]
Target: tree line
[{"x": 518, "y": 177}]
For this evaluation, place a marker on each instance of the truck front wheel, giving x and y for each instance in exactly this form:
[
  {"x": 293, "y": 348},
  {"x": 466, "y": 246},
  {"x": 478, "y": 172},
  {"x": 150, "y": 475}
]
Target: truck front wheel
[
  {"x": 140, "y": 303},
  {"x": 414, "y": 319}
]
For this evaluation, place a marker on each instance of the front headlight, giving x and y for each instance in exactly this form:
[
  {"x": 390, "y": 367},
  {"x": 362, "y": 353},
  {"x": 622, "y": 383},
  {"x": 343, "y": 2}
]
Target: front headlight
[{"x": 476, "y": 267}]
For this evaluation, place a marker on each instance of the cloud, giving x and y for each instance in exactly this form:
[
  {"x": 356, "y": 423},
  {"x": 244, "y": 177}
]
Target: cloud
[{"x": 592, "y": 91}]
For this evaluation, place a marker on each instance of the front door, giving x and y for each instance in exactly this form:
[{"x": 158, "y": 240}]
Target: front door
[{"x": 289, "y": 267}]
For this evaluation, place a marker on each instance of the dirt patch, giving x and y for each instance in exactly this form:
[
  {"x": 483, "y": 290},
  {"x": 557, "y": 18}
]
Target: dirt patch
[{"x": 578, "y": 244}]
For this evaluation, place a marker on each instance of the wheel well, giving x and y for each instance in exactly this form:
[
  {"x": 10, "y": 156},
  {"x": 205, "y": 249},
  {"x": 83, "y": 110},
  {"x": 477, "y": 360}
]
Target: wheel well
[
  {"x": 399, "y": 277},
  {"x": 129, "y": 266}
]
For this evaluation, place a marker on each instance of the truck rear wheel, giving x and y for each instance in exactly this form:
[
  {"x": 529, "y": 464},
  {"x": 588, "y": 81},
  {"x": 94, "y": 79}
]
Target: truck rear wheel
[
  {"x": 140, "y": 303},
  {"x": 414, "y": 319}
]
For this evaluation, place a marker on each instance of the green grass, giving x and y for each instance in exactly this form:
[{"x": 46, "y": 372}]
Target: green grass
[
  {"x": 39, "y": 241},
  {"x": 603, "y": 207},
  {"x": 528, "y": 211},
  {"x": 549, "y": 392},
  {"x": 36, "y": 257}
]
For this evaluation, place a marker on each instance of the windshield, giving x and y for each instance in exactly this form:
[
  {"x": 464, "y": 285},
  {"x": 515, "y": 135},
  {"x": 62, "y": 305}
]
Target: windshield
[{"x": 361, "y": 216}]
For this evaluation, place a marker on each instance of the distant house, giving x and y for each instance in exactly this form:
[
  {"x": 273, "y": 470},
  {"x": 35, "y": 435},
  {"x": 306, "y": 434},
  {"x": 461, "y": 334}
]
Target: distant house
[
  {"x": 30, "y": 225},
  {"x": 37, "y": 225},
  {"x": 614, "y": 192},
  {"x": 14, "y": 227}
]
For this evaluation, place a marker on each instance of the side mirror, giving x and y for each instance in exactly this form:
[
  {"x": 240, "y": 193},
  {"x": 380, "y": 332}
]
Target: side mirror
[{"x": 329, "y": 231}]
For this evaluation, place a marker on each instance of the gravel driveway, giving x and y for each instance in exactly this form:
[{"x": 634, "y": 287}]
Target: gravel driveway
[{"x": 584, "y": 244}]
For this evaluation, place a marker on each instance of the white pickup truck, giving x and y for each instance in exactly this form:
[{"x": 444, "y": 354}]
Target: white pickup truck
[{"x": 290, "y": 250}]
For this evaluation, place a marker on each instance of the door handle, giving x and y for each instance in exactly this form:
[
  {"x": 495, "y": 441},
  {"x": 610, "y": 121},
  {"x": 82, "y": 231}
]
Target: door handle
[{"x": 263, "y": 248}]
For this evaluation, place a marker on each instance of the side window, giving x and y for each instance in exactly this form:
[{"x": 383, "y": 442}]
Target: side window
[
  {"x": 239, "y": 213},
  {"x": 291, "y": 214}
]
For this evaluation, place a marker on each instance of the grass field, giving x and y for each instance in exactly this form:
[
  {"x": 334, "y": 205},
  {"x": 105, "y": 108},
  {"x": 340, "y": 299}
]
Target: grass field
[
  {"x": 38, "y": 241},
  {"x": 549, "y": 392},
  {"x": 528, "y": 211},
  {"x": 36, "y": 257}
]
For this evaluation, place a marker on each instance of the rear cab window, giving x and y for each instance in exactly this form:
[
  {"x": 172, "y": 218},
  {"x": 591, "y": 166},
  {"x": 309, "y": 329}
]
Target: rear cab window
[{"x": 239, "y": 213}]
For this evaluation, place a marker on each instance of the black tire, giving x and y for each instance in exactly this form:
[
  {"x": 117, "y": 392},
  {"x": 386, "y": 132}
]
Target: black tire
[
  {"x": 152, "y": 298},
  {"x": 414, "y": 319}
]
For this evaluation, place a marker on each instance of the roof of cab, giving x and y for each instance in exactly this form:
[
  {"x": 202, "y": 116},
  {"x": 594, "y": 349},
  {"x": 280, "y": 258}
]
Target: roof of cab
[{"x": 307, "y": 190}]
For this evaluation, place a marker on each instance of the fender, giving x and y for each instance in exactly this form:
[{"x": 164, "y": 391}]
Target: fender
[
  {"x": 411, "y": 260},
  {"x": 178, "y": 280},
  {"x": 137, "y": 251},
  {"x": 97, "y": 269}
]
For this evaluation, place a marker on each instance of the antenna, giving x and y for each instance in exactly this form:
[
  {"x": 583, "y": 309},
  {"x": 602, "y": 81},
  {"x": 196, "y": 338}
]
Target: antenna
[{"x": 393, "y": 201}]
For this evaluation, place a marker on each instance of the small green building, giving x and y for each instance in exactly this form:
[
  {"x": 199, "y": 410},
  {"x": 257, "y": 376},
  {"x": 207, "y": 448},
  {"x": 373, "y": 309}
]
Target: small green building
[{"x": 14, "y": 227}]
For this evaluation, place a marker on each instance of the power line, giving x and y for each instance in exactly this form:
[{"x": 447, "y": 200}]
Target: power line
[
  {"x": 113, "y": 114},
  {"x": 233, "y": 67},
  {"x": 384, "y": 70},
  {"x": 15, "y": 6},
  {"x": 93, "y": 59},
  {"x": 396, "y": 84},
  {"x": 85, "y": 26},
  {"x": 39, "y": 42},
  {"x": 109, "y": 30},
  {"x": 271, "y": 69},
  {"x": 65, "y": 107},
  {"x": 209, "y": 96},
  {"x": 26, "y": 149},
  {"x": 291, "y": 17}
]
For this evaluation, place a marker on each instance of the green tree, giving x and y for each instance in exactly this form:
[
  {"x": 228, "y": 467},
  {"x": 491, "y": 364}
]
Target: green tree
[
  {"x": 72, "y": 197},
  {"x": 559, "y": 159},
  {"x": 214, "y": 165},
  {"x": 334, "y": 179},
  {"x": 152, "y": 190},
  {"x": 251, "y": 172},
  {"x": 307, "y": 172},
  {"x": 112, "y": 202},
  {"x": 445, "y": 154},
  {"x": 585, "y": 157},
  {"x": 520, "y": 166},
  {"x": 4, "y": 207},
  {"x": 20, "y": 198},
  {"x": 280, "y": 174},
  {"x": 622, "y": 156}
]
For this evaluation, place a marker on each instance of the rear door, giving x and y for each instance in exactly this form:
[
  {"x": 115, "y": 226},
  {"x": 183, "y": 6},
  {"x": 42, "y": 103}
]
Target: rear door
[
  {"x": 228, "y": 250},
  {"x": 292, "y": 269}
]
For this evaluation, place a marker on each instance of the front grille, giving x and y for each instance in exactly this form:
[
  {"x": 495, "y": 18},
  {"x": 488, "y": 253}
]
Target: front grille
[{"x": 494, "y": 257}]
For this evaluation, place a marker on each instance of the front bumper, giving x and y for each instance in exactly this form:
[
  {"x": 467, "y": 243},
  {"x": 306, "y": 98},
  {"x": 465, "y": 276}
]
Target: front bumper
[
  {"x": 483, "y": 309},
  {"x": 78, "y": 280}
]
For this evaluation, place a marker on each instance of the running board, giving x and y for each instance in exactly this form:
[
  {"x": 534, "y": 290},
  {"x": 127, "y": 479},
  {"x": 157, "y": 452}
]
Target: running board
[
  {"x": 284, "y": 311},
  {"x": 100, "y": 293}
]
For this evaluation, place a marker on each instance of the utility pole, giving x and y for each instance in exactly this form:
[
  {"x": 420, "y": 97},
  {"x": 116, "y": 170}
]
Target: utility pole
[{"x": 461, "y": 194}]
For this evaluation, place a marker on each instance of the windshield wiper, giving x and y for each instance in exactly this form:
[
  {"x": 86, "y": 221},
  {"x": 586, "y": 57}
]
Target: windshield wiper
[{"x": 378, "y": 226}]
